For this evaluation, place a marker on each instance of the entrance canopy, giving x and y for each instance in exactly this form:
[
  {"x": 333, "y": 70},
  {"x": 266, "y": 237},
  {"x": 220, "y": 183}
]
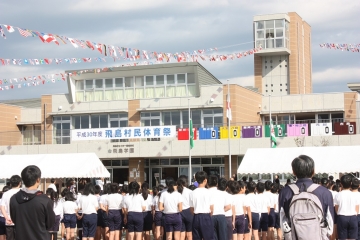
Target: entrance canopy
[
  {"x": 72, "y": 165},
  {"x": 339, "y": 159}
]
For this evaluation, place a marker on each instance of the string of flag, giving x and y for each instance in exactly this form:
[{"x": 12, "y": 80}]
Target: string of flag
[
  {"x": 342, "y": 46},
  {"x": 160, "y": 58},
  {"x": 33, "y": 81}
]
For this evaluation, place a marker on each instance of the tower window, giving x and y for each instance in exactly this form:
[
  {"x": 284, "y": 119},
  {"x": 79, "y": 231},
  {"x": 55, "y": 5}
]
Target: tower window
[
  {"x": 265, "y": 61},
  {"x": 270, "y": 61},
  {"x": 271, "y": 85},
  {"x": 285, "y": 65},
  {"x": 285, "y": 84},
  {"x": 279, "y": 60},
  {"x": 265, "y": 67},
  {"x": 285, "y": 89},
  {"x": 266, "y": 90},
  {"x": 270, "y": 66},
  {"x": 272, "y": 91},
  {"x": 280, "y": 90},
  {"x": 280, "y": 65},
  {"x": 280, "y": 84},
  {"x": 265, "y": 85}
]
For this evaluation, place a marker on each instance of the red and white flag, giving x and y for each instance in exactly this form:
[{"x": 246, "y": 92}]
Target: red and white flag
[
  {"x": 228, "y": 106},
  {"x": 24, "y": 33},
  {"x": 9, "y": 28},
  {"x": 72, "y": 41}
]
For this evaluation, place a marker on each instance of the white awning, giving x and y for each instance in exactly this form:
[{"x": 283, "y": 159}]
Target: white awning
[
  {"x": 71, "y": 165},
  {"x": 339, "y": 159}
]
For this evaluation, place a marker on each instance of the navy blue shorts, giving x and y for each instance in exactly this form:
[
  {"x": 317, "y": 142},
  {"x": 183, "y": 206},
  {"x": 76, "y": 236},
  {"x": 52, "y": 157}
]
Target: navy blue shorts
[
  {"x": 173, "y": 222},
  {"x": 79, "y": 223},
  {"x": 99, "y": 218},
  {"x": 105, "y": 221},
  {"x": 277, "y": 222},
  {"x": 148, "y": 221},
  {"x": 114, "y": 219},
  {"x": 239, "y": 225},
  {"x": 347, "y": 227},
  {"x": 89, "y": 223},
  {"x": 2, "y": 226},
  {"x": 264, "y": 222},
  {"x": 55, "y": 227},
  {"x": 272, "y": 218},
  {"x": 229, "y": 226},
  {"x": 203, "y": 226},
  {"x": 247, "y": 229},
  {"x": 70, "y": 220},
  {"x": 135, "y": 222},
  {"x": 157, "y": 218},
  {"x": 255, "y": 221},
  {"x": 187, "y": 220},
  {"x": 335, "y": 216}
]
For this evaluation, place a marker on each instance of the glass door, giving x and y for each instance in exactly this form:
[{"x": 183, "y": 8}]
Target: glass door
[{"x": 155, "y": 177}]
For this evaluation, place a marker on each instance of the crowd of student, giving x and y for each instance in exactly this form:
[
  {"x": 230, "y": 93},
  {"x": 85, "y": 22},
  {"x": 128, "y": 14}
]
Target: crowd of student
[{"x": 215, "y": 209}]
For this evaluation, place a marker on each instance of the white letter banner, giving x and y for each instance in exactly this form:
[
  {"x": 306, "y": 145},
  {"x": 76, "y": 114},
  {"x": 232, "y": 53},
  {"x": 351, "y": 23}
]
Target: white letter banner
[{"x": 123, "y": 133}]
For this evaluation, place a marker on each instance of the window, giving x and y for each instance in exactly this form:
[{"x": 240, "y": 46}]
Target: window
[
  {"x": 31, "y": 134},
  {"x": 172, "y": 118},
  {"x": 118, "y": 120},
  {"x": 99, "y": 121},
  {"x": 61, "y": 130},
  {"x": 149, "y": 87},
  {"x": 139, "y": 85},
  {"x": 129, "y": 88},
  {"x": 81, "y": 122},
  {"x": 213, "y": 117},
  {"x": 150, "y": 119},
  {"x": 272, "y": 33}
]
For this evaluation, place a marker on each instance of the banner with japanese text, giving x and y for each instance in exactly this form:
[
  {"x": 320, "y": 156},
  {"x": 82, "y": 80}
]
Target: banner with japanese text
[{"x": 123, "y": 133}]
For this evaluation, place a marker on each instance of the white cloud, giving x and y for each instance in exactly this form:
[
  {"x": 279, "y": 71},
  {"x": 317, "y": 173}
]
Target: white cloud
[
  {"x": 247, "y": 81},
  {"x": 336, "y": 75}
]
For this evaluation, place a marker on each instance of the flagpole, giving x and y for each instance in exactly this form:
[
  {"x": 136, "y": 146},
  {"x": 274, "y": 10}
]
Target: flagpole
[
  {"x": 190, "y": 168},
  {"x": 228, "y": 99},
  {"x": 270, "y": 120}
]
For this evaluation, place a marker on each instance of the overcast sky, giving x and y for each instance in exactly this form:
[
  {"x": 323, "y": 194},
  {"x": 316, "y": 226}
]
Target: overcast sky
[{"x": 173, "y": 26}]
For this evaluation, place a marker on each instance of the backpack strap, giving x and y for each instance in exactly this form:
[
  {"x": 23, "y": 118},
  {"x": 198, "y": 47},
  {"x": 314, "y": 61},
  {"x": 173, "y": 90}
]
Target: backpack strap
[
  {"x": 294, "y": 188},
  {"x": 312, "y": 187}
]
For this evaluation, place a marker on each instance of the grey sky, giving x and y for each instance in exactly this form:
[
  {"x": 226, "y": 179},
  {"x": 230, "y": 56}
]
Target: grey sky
[{"x": 173, "y": 26}]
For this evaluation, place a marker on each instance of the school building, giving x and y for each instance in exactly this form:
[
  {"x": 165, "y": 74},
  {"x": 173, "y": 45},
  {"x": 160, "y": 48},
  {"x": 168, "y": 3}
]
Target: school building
[{"x": 136, "y": 119}]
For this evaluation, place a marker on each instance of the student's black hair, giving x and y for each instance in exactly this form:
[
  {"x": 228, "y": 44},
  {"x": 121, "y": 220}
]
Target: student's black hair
[
  {"x": 331, "y": 178},
  {"x": 315, "y": 180},
  {"x": 69, "y": 196},
  {"x": 52, "y": 180},
  {"x": 49, "y": 191},
  {"x": 222, "y": 184},
  {"x": 15, "y": 180},
  {"x": 324, "y": 182},
  {"x": 277, "y": 181},
  {"x": 200, "y": 176},
  {"x": 168, "y": 179},
  {"x": 274, "y": 187},
  {"x": 234, "y": 187},
  {"x": 242, "y": 184},
  {"x": 5, "y": 189},
  {"x": 288, "y": 180},
  {"x": 244, "y": 178},
  {"x": 107, "y": 188},
  {"x": 251, "y": 186},
  {"x": 212, "y": 181},
  {"x": 337, "y": 181},
  {"x": 228, "y": 190},
  {"x": 303, "y": 166},
  {"x": 268, "y": 185},
  {"x": 170, "y": 186},
  {"x": 114, "y": 188},
  {"x": 134, "y": 188},
  {"x": 69, "y": 183},
  {"x": 30, "y": 175},
  {"x": 260, "y": 187},
  {"x": 63, "y": 193},
  {"x": 336, "y": 188},
  {"x": 355, "y": 183},
  {"x": 125, "y": 189},
  {"x": 250, "y": 179},
  {"x": 89, "y": 189},
  {"x": 97, "y": 189},
  {"x": 181, "y": 183},
  {"x": 346, "y": 181},
  {"x": 155, "y": 190},
  {"x": 192, "y": 187},
  {"x": 145, "y": 190}
]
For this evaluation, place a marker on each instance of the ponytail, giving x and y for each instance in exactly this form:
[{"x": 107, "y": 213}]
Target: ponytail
[
  {"x": 181, "y": 183},
  {"x": 145, "y": 190},
  {"x": 170, "y": 186}
]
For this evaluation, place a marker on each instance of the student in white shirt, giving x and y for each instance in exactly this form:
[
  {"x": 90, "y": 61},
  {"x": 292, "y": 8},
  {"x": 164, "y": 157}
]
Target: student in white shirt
[
  {"x": 264, "y": 209},
  {"x": 272, "y": 216},
  {"x": 275, "y": 191},
  {"x": 202, "y": 206},
  {"x": 52, "y": 184},
  {"x": 355, "y": 189},
  {"x": 99, "y": 214},
  {"x": 2, "y": 219},
  {"x": 229, "y": 213},
  {"x": 148, "y": 218},
  {"x": 158, "y": 230},
  {"x": 124, "y": 192},
  {"x": 347, "y": 207},
  {"x": 113, "y": 202},
  {"x": 70, "y": 209},
  {"x": 134, "y": 205},
  {"x": 252, "y": 203},
  {"x": 186, "y": 216},
  {"x": 58, "y": 210},
  {"x": 89, "y": 205},
  {"x": 170, "y": 203},
  {"x": 221, "y": 204},
  {"x": 15, "y": 183},
  {"x": 104, "y": 211},
  {"x": 238, "y": 209}
]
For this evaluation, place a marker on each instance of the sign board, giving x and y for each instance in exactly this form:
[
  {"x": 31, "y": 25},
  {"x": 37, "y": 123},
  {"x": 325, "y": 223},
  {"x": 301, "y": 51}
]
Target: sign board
[{"x": 123, "y": 133}]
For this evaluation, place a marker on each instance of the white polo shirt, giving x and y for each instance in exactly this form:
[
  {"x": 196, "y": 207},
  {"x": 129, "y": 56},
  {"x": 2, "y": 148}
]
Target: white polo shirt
[
  {"x": 88, "y": 204},
  {"x": 113, "y": 201},
  {"x": 228, "y": 213},
  {"x": 69, "y": 207},
  {"x": 220, "y": 200},
  {"x": 103, "y": 200},
  {"x": 156, "y": 203},
  {"x": 264, "y": 203},
  {"x": 276, "y": 200},
  {"x": 134, "y": 203},
  {"x": 347, "y": 201},
  {"x": 186, "y": 198},
  {"x": 171, "y": 201},
  {"x": 201, "y": 200},
  {"x": 149, "y": 203},
  {"x": 239, "y": 203},
  {"x": 53, "y": 187},
  {"x": 251, "y": 200},
  {"x": 5, "y": 201},
  {"x": 58, "y": 208},
  {"x": 270, "y": 196}
]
